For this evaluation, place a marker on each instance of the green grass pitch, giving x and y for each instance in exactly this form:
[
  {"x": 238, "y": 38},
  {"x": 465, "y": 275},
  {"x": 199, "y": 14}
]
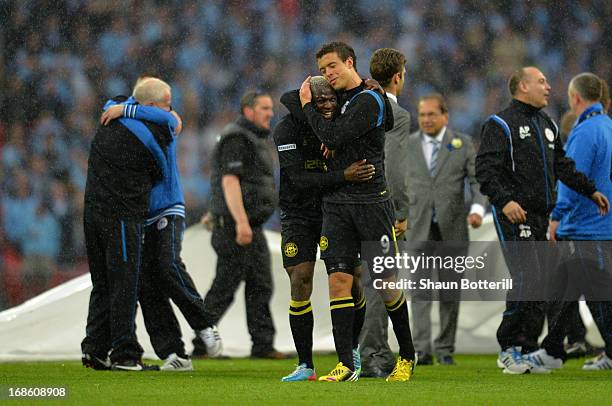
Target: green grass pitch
[{"x": 474, "y": 381}]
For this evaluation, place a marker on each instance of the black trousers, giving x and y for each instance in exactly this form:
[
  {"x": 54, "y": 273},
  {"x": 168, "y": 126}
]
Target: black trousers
[
  {"x": 584, "y": 269},
  {"x": 114, "y": 257},
  {"x": 164, "y": 277},
  {"x": 523, "y": 319},
  {"x": 252, "y": 265},
  {"x": 575, "y": 330}
]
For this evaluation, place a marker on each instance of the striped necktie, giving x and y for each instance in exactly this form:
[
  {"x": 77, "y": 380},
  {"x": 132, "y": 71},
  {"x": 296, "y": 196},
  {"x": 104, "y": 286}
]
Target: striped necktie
[{"x": 433, "y": 162}]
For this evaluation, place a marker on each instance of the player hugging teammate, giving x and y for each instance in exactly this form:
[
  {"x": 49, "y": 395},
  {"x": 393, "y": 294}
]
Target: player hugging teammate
[{"x": 344, "y": 200}]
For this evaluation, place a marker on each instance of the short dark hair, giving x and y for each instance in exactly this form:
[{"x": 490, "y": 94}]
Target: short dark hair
[
  {"x": 437, "y": 97},
  {"x": 250, "y": 99},
  {"x": 385, "y": 63},
  {"x": 515, "y": 79},
  {"x": 588, "y": 86},
  {"x": 343, "y": 50}
]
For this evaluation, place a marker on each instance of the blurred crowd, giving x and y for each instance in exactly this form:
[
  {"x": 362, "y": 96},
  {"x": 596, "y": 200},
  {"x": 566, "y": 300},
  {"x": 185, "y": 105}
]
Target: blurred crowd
[{"x": 61, "y": 60}]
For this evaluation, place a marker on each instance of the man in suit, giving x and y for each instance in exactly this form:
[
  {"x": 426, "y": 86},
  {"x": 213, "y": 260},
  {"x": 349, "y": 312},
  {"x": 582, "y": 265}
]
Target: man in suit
[
  {"x": 439, "y": 162},
  {"x": 387, "y": 66}
]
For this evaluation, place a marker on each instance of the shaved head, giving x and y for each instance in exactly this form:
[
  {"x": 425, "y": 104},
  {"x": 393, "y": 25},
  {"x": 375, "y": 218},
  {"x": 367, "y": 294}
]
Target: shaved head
[
  {"x": 323, "y": 97},
  {"x": 318, "y": 85}
]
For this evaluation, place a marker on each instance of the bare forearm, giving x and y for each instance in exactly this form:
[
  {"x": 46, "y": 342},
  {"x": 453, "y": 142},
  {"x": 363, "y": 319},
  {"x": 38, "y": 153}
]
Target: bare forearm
[{"x": 233, "y": 198}]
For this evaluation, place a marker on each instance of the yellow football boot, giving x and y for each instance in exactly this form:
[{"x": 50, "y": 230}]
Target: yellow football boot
[
  {"x": 339, "y": 373},
  {"x": 402, "y": 372}
]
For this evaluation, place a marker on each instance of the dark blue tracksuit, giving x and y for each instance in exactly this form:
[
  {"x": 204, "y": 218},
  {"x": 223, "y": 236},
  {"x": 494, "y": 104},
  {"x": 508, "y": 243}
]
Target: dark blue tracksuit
[
  {"x": 125, "y": 162},
  {"x": 164, "y": 274},
  {"x": 520, "y": 159}
]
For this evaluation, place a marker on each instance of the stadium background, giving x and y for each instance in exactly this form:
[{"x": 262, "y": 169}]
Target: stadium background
[{"x": 61, "y": 59}]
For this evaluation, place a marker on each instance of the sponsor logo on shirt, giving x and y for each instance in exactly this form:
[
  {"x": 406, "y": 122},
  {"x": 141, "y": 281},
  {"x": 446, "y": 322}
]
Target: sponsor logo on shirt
[{"x": 286, "y": 147}]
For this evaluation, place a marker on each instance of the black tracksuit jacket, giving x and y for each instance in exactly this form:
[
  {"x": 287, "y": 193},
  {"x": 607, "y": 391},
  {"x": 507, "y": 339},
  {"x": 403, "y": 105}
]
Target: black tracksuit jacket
[{"x": 521, "y": 158}]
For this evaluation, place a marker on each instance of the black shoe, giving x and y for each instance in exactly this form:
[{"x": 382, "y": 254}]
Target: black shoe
[
  {"x": 592, "y": 351},
  {"x": 99, "y": 364},
  {"x": 373, "y": 372},
  {"x": 581, "y": 349},
  {"x": 199, "y": 353},
  {"x": 199, "y": 348},
  {"x": 446, "y": 360},
  {"x": 133, "y": 365},
  {"x": 424, "y": 359},
  {"x": 576, "y": 350},
  {"x": 272, "y": 354}
]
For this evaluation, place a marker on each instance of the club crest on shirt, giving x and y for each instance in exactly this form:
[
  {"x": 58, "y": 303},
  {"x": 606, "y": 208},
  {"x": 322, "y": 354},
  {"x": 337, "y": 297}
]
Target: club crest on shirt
[
  {"x": 162, "y": 223},
  {"x": 550, "y": 136}
]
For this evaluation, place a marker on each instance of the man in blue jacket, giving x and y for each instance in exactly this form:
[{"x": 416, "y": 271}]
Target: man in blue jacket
[
  {"x": 126, "y": 161},
  {"x": 586, "y": 263},
  {"x": 164, "y": 274}
]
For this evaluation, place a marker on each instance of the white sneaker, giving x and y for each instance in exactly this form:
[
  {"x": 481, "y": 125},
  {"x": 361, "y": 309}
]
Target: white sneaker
[
  {"x": 177, "y": 364},
  {"x": 599, "y": 363},
  {"x": 540, "y": 360},
  {"x": 512, "y": 361},
  {"x": 212, "y": 340}
]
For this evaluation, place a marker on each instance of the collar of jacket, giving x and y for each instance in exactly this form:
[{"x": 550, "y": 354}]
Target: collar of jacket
[
  {"x": 593, "y": 110},
  {"x": 348, "y": 94},
  {"x": 249, "y": 125},
  {"x": 524, "y": 107}
]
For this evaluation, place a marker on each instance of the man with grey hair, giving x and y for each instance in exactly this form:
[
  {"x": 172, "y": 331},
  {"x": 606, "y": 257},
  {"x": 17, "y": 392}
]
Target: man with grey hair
[
  {"x": 164, "y": 275},
  {"x": 575, "y": 218},
  {"x": 153, "y": 92},
  {"x": 126, "y": 160}
]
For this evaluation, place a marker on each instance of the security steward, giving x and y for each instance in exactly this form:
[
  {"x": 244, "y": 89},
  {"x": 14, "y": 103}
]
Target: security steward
[{"x": 243, "y": 198}]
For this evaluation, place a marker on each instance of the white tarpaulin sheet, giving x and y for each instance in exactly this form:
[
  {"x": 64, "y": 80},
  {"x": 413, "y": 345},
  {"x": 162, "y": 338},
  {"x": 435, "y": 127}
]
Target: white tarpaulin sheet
[{"x": 52, "y": 325}]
